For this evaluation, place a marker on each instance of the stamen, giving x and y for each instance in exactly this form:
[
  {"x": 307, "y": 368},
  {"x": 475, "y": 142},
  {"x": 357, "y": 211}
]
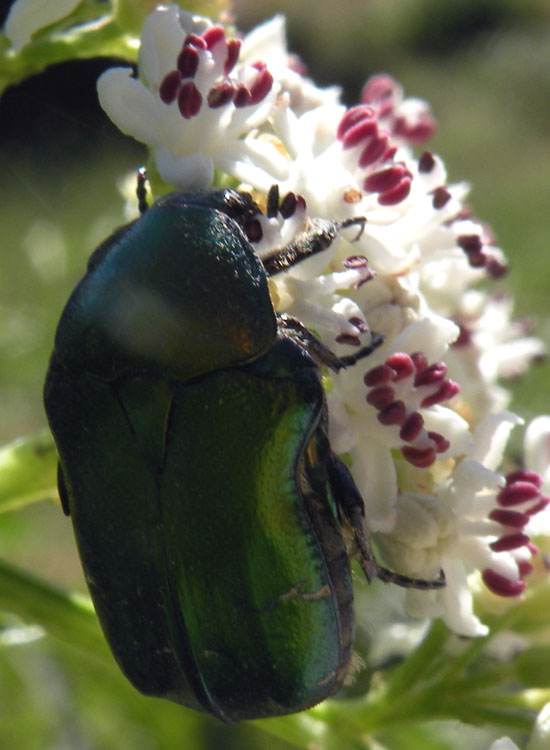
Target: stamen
[
  {"x": 426, "y": 162},
  {"x": 401, "y": 364},
  {"x": 386, "y": 179},
  {"x": 411, "y": 427},
  {"x": 170, "y": 86},
  {"x": 422, "y": 458},
  {"x": 501, "y": 585},
  {"x": 188, "y": 61},
  {"x": 233, "y": 49},
  {"x": 220, "y": 95},
  {"x": 195, "y": 41},
  {"x": 395, "y": 413},
  {"x": 397, "y": 194},
  {"x": 517, "y": 493},
  {"x": 253, "y": 230},
  {"x": 509, "y": 542},
  {"x": 213, "y": 36},
  {"x": 512, "y": 518},
  {"x": 189, "y": 100},
  {"x": 374, "y": 150},
  {"x": 381, "y": 397},
  {"x": 288, "y": 205},
  {"x": 441, "y": 197}
]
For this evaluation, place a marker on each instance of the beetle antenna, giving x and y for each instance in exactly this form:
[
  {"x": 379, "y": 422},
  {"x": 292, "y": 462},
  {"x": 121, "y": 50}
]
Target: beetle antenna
[{"x": 141, "y": 190}]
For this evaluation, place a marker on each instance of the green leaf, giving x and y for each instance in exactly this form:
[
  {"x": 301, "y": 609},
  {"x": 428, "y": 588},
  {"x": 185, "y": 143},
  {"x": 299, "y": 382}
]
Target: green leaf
[{"x": 28, "y": 471}]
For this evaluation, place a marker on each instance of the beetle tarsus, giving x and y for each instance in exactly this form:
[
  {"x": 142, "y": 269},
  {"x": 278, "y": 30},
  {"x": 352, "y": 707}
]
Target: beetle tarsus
[
  {"x": 353, "y": 507},
  {"x": 325, "y": 356}
]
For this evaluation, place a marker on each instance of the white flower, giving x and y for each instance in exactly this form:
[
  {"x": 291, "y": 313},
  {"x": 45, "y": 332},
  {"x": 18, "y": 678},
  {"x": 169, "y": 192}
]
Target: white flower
[
  {"x": 421, "y": 421},
  {"x": 193, "y": 102},
  {"x": 26, "y": 17}
]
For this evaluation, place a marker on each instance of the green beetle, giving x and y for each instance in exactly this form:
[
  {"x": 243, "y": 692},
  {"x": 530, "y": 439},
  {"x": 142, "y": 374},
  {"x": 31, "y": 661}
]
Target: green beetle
[{"x": 191, "y": 428}]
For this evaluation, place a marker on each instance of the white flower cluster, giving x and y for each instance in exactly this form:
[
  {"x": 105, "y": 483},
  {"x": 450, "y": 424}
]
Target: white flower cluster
[{"x": 422, "y": 420}]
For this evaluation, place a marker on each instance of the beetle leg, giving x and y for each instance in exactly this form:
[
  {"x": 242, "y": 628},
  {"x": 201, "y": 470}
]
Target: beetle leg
[
  {"x": 62, "y": 490},
  {"x": 352, "y": 505},
  {"x": 141, "y": 192},
  {"x": 298, "y": 331},
  {"x": 318, "y": 237}
]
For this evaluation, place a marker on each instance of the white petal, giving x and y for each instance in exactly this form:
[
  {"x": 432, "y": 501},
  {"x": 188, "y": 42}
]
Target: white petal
[
  {"x": 540, "y": 739},
  {"x": 184, "y": 172},
  {"x": 132, "y": 107},
  {"x": 537, "y": 448},
  {"x": 374, "y": 473},
  {"x": 431, "y": 335},
  {"x": 457, "y": 598},
  {"x": 161, "y": 42},
  {"x": 28, "y": 16},
  {"x": 491, "y": 436},
  {"x": 452, "y": 426},
  {"x": 267, "y": 42},
  {"x": 505, "y": 743}
]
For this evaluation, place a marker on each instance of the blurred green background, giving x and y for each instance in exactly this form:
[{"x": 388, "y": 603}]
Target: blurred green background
[{"x": 484, "y": 65}]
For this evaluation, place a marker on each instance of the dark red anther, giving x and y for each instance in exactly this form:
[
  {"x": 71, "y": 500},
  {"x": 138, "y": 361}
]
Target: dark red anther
[
  {"x": 379, "y": 376},
  {"x": 169, "y": 87},
  {"x": 233, "y": 49},
  {"x": 401, "y": 364},
  {"x": 379, "y": 87},
  {"x": 422, "y": 458},
  {"x": 374, "y": 149},
  {"x": 496, "y": 268},
  {"x": 441, "y": 443},
  {"x": 501, "y": 585},
  {"x": 348, "y": 338},
  {"x": 352, "y": 117},
  {"x": 509, "y": 542},
  {"x": 213, "y": 36},
  {"x": 381, "y": 397},
  {"x": 512, "y": 518},
  {"x": 522, "y": 475},
  {"x": 389, "y": 153},
  {"x": 188, "y": 62},
  {"x": 397, "y": 194},
  {"x": 220, "y": 94},
  {"x": 470, "y": 243},
  {"x": 386, "y": 178},
  {"x": 541, "y": 505},
  {"x": 440, "y": 197},
  {"x": 426, "y": 162},
  {"x": 420, "y": 361},
  {"x": 261, "y": 86},
  {"x": 477, "y": 260},
  {"x": 517, "y": 493},
  {"x": 447, "y": 390},
  {"x": 242, "y": 96},
  {"x": 288, "y": 205},
  {"x": 395, "y": 413},
  {"x": 411, "y": 427},
  {"x": 362, "y": 131},
  {"x": 430, "y": 375},
  {"x": 253, "y": 230},
  {"x": 464, "y": 337},
  {"x": 194, "y": 40},
  {"x": 355, "y": 261},
  {"x": 416, "y": 130},
  {"x": 524, "y": 568},
  {"x": 189, "y": 99},
  {"x": 359, "y": 323}
]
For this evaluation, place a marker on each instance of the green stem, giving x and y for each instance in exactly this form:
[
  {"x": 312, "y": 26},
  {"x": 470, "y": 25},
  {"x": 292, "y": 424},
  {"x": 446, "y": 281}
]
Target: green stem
[{"x": 66, "y": 616}]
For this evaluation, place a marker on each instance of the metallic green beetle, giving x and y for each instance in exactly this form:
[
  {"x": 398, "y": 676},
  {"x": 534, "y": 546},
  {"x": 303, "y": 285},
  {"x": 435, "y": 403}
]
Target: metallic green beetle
[{"x": 191, "y": 428}]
